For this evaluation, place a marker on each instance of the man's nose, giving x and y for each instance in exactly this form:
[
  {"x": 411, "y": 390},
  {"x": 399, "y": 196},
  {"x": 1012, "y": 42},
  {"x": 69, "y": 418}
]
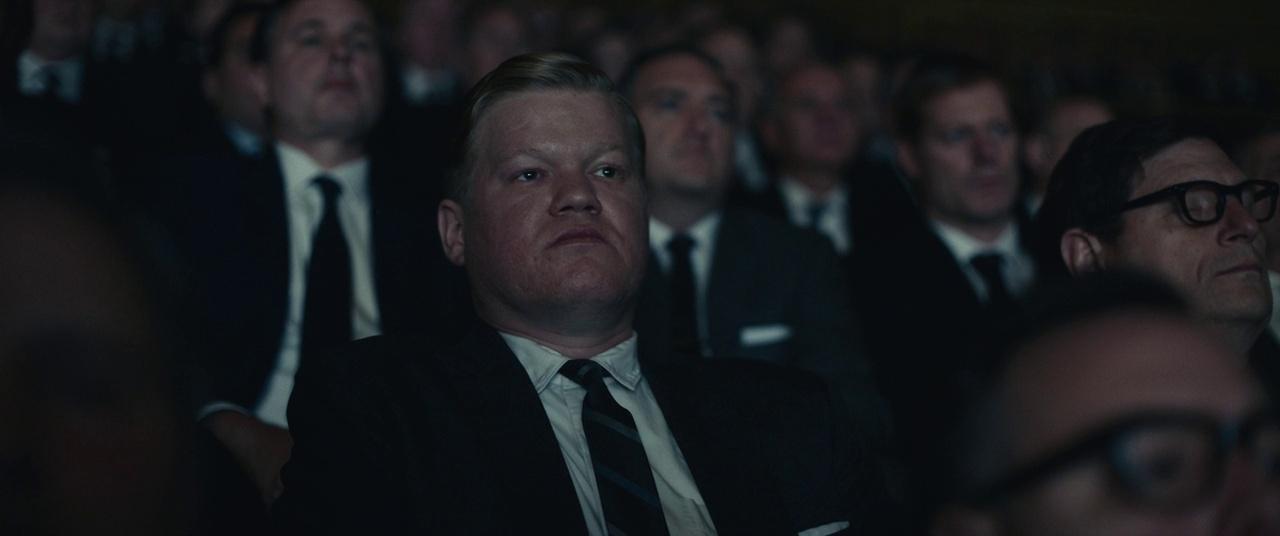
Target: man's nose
[
  {"x": 575, "y": 193},
  {"x": 1237, "y": 223},
  {"x": 985, "y": 147}
]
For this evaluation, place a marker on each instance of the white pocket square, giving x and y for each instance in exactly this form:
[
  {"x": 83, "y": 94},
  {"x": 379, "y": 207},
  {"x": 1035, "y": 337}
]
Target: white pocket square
[{"x": 766, "y": 334}]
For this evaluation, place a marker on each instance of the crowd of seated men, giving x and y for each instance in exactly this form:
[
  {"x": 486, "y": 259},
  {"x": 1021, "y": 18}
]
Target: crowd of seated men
[{"x": 433, "y": 266}]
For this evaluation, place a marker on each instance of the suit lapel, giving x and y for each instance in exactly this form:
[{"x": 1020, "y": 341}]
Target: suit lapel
[
  {"x": 515, "y": 436},
  {"x": 728, "y": 291}
]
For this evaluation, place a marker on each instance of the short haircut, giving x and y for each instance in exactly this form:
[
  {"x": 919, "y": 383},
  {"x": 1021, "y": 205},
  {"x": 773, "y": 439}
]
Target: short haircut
[
  {"x": 547, "y": 71},
  {"x": 979, "y": 434},
  {"x": 932, "y": 76},
  {"x": 1096, "y": 175},
  {"x": 215, "y": 47},
  {"x": 627, "y": 82}
]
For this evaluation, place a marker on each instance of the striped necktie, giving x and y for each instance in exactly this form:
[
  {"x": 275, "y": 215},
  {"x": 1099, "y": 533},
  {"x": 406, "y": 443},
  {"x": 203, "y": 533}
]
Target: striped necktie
[{"x": 627, "y": 492}]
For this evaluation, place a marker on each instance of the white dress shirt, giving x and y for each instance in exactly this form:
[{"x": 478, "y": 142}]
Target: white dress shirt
[
  {"x": 305, "y": 205},
  {"x": 1018, "y": 269},
  {"x": 562, "y": 399},
  {"x": 703, "y": 234},
  {"x": 33, "y": 78},
  {"x": 834, "y": 221},
  {"x": 682, "y": 504}
]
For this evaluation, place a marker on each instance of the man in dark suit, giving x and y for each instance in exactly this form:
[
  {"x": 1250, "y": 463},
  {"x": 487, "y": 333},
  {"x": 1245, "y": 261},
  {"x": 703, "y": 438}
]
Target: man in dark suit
[
  {"x": 730, "y": 282},
  {"x": 957, "y": 268},
  {"x": 554, "y": 417},
  {"x": 317, "y": 243}
]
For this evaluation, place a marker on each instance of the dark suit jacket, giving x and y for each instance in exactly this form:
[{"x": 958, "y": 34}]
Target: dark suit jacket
[
  {"x": 767, "y": 275},
  {"x": 393, "y": 439},
  {"x": 228, "y": 220}
]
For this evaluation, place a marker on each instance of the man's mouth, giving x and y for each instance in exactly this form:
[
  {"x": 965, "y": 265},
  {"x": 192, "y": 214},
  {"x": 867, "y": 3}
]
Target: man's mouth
[{"x": 579, "y": 236}]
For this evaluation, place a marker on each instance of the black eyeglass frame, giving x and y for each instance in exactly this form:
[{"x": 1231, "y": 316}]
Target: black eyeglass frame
[
  {"x": 1106, "y": 443},
  {"x": 1268, "y": 190}
]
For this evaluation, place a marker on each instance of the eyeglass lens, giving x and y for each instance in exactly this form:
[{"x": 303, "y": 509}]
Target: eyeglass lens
[
  {"x": 1204, "y": 205},
  {"x": 1171, "y": 465}
]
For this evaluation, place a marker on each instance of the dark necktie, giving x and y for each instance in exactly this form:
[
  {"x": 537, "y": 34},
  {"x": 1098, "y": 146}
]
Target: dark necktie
[
  {"x": 816, "y": 210},
  {"x": 52, "y": 85},
  {"x": 684, "y": 302},
  {"x": 627, "y": 492},
  {"x": 989, "y": 266},
  {"x": 326, "y": 316}
]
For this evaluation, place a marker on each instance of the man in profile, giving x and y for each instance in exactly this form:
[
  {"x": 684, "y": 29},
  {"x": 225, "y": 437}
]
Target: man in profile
[
  {"x": 552, "y": 417},
  {"x": 1160, "y": 196}
]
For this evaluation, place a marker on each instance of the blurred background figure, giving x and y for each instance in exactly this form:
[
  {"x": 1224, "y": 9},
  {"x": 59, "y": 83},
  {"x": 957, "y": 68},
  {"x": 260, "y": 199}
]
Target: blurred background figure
[
  {"x": 492, "y": 33},
  {"x": 733, "y": 47},
  {"x": 96, "y": 435},
  {"x": 427, "y": 40},
  {"x": 1113, "y": 412},
  {"x": 788, "y": 44},
  {"x": 239, "y": 124},
  {"x": 1062, "y": 120}
]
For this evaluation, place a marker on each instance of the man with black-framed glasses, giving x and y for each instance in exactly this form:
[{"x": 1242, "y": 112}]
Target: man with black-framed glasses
[
  {"x": 1162, "y": 197},
  {"x": 1113, "y": 412}
]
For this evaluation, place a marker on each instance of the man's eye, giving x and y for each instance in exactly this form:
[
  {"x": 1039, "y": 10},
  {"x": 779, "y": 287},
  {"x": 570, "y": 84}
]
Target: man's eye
[
  {"x": 310, "y": 40},
  {"x": 609, "y": 172},
  {"x": 363, "y": 43},
  {"x": 956, "y": 135},
  {"x": 528, "y": 175}
]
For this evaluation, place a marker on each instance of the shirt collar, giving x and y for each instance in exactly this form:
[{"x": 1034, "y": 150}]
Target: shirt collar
[
  {"x": 299, "y": 170},
  {"x": 703, "y": 232},
  {"x": 542, "y": 364},
  {"x": 799, "y": 197},
  {"x": 965, "y": 247}
]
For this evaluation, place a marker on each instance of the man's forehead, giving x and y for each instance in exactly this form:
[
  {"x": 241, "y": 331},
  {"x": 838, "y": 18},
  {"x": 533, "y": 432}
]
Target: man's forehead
[
  {"x": 815, "y": 80},
  {"x": 1187, "y": 160},
  {"x": 548, "y": 122},
  {"x": 1103, "y": 368},
  {"x": 679, "y": 72},
  {"x": 346, "y": 14},
  {"x": 978, "y": 100}
]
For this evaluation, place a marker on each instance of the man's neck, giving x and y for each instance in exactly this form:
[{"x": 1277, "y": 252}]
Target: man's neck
[
  {"x": 680, "y": 213},
  {"x": 328, "y": 153},
  {"x": 575, "y": 334},
  {"x": 818, "y": 181}
]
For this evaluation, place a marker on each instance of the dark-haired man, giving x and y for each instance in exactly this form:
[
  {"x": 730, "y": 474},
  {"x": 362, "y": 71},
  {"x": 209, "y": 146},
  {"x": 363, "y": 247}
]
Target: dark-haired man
[
  {"x": 316, "y": 244},
  {"x": 1162, "y": 197},
  {"x": 555, "y": 416}
]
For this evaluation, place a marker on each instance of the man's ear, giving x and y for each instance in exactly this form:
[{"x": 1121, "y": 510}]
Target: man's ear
[
  {"x": 960, "y": 521},
  {"x": 907, "y": 159},
  {"x": 258, "y": 80},
  {"x": 449, "y": 223},
  {"x": 1081, "y": 251}
]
